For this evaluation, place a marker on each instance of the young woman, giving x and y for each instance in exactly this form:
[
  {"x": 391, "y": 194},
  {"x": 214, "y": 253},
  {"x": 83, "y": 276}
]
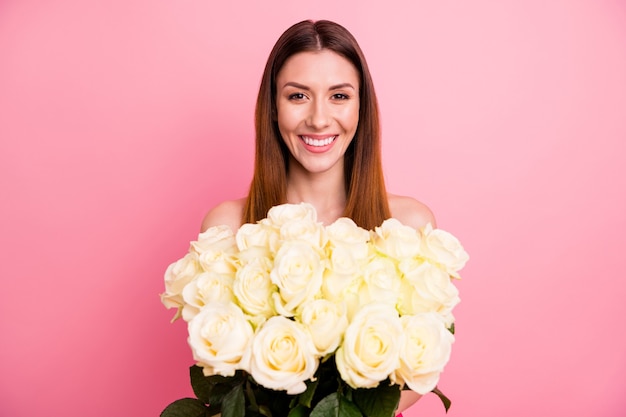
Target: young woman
[{"x": 318, "y": 139}]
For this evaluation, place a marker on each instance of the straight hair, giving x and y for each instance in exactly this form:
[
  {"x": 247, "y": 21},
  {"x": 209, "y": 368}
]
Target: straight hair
[{"x": 366, "y": 202}]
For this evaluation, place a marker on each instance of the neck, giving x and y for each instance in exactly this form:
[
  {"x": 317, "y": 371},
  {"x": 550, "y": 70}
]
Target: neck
[{"x": 325, "y": 191}]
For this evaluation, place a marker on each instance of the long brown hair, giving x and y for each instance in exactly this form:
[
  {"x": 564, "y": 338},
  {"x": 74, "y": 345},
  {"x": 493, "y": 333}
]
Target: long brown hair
[{"x": 365, "y": 187}]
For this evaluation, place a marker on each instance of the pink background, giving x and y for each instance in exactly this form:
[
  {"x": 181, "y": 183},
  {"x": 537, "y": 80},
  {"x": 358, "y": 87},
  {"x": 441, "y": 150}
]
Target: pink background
[{"x": 122, "y": 122}]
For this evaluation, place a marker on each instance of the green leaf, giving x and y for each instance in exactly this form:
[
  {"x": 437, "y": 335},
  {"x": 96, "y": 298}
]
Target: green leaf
[
  {"x": 327, "y": 407},
  {"x": 213, "y": 410},
  {"x": 186, "y": 407},
  {"x": 251, "y": 397},
  {"x": 236, "y": 379},
  {"x": 445, "y": 400},
  {"x": 451, "y": 328},
  {"x": 299, "y": 411},
  {"x": 201, "y": 384},
  {"x": 307, "y": 396},
  {"x": 218, "y": 392},
  {"x": 335, "y": 405},
  {"x": 265, "y": 411},
  {"x": 348, "y": 409},
  {"x": 234, "y": 403},
  {"x": 277, "y": 401},
  {"x": 381, "y": 401}
]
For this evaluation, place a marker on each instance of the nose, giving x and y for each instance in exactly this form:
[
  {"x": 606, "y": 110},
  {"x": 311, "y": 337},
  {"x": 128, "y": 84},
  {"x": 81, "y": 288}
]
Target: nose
[{"x": 319, "y": 116}]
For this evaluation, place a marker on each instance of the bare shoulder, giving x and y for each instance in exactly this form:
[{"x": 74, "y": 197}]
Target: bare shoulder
[
  {"x": 410, "y": 211},
  {"x": 229, "y": 212}
]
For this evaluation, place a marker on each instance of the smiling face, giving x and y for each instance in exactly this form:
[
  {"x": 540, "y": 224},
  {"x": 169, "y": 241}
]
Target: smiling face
[{"x": 317, "y": 103}]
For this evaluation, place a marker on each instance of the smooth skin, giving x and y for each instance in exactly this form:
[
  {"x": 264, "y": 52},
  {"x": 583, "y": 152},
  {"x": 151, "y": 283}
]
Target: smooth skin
[{"x": 317, "y": 104}]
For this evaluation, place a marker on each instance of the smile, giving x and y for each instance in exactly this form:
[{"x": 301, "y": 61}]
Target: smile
[{"x": 318, "y": 142}]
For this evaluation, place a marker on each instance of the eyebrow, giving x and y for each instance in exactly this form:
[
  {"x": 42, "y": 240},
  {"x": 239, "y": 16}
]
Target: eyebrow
[{"x": 333, "y": 87}]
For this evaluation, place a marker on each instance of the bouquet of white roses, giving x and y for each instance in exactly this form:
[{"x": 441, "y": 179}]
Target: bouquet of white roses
[{"x": 289, "y": 317}]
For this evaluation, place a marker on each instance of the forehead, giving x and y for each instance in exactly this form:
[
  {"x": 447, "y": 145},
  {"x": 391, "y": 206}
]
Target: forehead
[{"x": 318, "y": 67}]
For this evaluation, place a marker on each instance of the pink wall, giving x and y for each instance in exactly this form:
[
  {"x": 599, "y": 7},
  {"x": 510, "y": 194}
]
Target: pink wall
[{"x": 122, "y": 122}]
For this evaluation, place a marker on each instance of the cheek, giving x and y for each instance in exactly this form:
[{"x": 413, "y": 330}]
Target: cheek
[
  {"x": 350, "y": 118},
  {"x": 287, "y": 122},
  {"x": 282, "y": 130}
]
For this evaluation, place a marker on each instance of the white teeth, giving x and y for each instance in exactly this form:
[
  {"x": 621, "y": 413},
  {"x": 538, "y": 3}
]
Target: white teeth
[{"x": 318, "y": 142}]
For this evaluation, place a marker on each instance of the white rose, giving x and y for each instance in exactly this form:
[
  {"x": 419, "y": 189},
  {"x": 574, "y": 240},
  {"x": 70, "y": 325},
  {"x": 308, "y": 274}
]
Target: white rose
[
  {"x": 216, "y": 237},
  {"x": 445, "y": 249},
  {"x": 219, "y": 262},
  {"x": 396, "y": 240},
  {"x": 297, "y": 273},
  {"x": 279, "y": 215},
  {"x": 345, "y": 232},
  {"x": 326, "y": 322},
  {"x": 370, "y": 349},
  {"x": 208, "y": 287},
  {"x": 305, "y": 230},
  {"x": 253, "y": 288},
  {"x": 177, "y": 276},
  {"x": 216, "y": 248},
  {"x": 283, "y": 356},
  {"x": 252, "y": 254},
  {"x": 252, "y": 235},
  {"x": 342, "y": 272},
  {"x": 424, "y": 351},
  {"x": 220, "y": 337},
  {"x": 427, "y": 288},
  {"x": 381, "y": 282}
]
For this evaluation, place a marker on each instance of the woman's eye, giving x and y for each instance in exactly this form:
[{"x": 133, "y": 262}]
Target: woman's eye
[
  {"x": 340, "y": 96},
  {"x": 296, "y": 96}
]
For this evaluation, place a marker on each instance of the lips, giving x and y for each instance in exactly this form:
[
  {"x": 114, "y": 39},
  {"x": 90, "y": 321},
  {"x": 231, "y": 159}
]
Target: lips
[{"x": 318, "y": 141}]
